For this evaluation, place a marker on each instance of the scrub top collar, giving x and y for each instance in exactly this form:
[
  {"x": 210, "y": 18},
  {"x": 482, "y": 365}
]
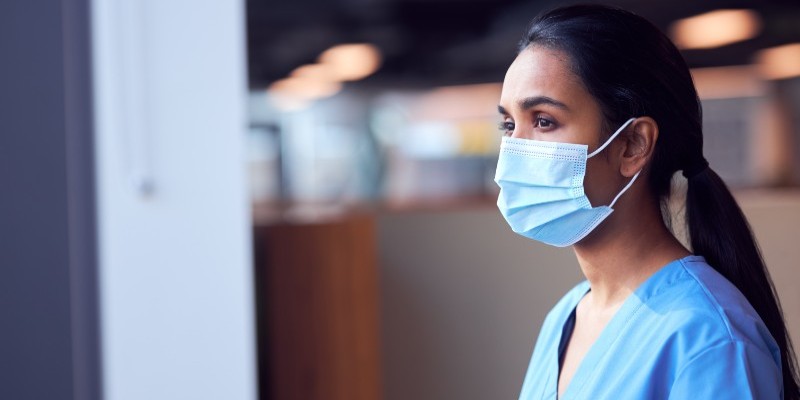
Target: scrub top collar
[{"x": 660, "y": 280}]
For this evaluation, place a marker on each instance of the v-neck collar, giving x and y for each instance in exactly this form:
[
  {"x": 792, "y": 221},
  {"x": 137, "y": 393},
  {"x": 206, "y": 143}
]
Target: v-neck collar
[{"x": 661, "y": 279}]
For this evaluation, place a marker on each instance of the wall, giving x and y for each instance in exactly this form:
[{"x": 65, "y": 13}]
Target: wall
[
  {"x": 775, "y": 219},
  {"x": 462, "y": 300}
]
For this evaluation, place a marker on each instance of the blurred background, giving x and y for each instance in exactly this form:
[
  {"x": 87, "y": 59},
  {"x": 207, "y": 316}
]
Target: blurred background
[
  {"x": 294, "y": 200},
  {"x": 387, "y": 109}
]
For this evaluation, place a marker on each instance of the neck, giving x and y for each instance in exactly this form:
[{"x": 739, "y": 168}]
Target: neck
[{"x": 625, "y": 250}]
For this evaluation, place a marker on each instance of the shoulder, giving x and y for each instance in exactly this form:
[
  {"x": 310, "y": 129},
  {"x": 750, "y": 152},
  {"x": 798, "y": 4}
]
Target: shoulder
[
  {"x": 728, "y": 370},
  {"x": 708, "y": 293},
  {"x": 709, "y": 336},
  {"x": 702, "y": 310}
]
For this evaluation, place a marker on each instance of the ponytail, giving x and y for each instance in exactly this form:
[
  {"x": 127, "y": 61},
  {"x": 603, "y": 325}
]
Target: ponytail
[{"x": 720, "y": 233}]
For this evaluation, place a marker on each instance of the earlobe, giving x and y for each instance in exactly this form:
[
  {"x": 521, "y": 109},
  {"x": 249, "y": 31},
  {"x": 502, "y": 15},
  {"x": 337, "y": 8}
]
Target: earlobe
[{"x": 640, "y": 145}]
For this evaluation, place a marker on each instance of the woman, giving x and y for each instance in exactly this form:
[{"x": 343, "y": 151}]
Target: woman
[{"x": 596, "y": 98}]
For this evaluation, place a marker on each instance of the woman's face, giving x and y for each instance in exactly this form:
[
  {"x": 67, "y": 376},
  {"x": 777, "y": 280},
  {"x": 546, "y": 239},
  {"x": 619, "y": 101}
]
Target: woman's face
[{"x": 542, "y": 99}]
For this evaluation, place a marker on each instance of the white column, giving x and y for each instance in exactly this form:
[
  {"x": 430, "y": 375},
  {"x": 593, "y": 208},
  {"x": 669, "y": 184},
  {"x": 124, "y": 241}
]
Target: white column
[{"x": 176, "y": 286}]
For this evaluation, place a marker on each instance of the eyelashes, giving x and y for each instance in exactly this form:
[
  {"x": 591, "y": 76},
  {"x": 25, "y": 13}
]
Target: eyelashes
[
  {"x": 544, "y": 123},
  {"x": 507, "y": 127}
]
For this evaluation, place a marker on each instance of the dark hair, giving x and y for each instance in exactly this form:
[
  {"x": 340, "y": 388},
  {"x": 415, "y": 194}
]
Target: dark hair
[{"x": 632, "y": 69}]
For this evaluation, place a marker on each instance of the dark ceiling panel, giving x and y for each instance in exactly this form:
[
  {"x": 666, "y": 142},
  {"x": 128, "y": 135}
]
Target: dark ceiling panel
[{"x": 436, "y": 42}]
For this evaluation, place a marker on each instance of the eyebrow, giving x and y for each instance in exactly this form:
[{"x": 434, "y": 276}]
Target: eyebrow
[{"x": 530, "y": 102}]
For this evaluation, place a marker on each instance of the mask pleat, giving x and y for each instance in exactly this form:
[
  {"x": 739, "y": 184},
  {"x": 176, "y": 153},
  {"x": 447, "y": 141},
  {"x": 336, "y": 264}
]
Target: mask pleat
[
  {"x": 528, "y": 218},
  {"x": 570, "y": 228}
]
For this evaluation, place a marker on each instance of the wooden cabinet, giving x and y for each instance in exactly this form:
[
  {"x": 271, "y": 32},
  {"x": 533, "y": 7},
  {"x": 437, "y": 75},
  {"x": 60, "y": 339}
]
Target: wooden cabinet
[{"x": 318, "y": 314}]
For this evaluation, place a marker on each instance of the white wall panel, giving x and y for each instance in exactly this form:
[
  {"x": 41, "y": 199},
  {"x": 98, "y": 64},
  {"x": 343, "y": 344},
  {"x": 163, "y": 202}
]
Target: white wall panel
[{"x": 174, "y": 228}]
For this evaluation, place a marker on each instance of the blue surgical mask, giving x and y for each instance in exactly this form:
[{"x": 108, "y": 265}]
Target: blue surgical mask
[{"x": 541, "y": 189}]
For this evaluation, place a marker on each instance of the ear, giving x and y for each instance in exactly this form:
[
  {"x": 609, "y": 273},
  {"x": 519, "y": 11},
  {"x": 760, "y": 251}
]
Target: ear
[{"x": 640, "y": 143}]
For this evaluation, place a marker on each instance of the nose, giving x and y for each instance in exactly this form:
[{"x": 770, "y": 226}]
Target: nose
[{"x": 521, "y": 133}]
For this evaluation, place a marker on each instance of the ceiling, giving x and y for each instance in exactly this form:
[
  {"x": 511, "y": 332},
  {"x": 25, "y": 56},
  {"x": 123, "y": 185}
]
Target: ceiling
[{"x": 441, "y": 42}]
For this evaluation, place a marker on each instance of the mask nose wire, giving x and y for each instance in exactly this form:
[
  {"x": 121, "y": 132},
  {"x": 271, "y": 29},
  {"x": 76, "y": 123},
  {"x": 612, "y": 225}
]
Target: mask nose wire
[{"x": 604, "y": 145}]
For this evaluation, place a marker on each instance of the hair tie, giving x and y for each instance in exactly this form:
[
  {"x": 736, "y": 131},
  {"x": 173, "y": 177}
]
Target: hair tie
[{"x": 695, "y": 168}]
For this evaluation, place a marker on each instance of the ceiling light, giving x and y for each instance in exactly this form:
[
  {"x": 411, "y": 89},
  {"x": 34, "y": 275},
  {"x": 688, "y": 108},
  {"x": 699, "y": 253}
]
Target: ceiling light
[
  {"x": 304, "y": 88},
  {"x": 351, "y": 62},
  {"x": 319, "y": 72},
  {"x": 780, "y": 62},
  {"x": 715, "y": 29}
]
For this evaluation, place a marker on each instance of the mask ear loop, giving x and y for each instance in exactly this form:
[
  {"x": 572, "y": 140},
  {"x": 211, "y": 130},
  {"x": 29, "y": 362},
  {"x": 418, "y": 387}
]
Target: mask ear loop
[
  {"x": 603, "y": 146},
  {"x": 625, "y": 189}
]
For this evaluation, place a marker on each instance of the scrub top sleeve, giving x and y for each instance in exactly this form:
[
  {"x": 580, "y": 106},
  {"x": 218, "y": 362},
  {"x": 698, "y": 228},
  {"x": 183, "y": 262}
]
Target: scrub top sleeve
[{"x": 732, "y": 370}]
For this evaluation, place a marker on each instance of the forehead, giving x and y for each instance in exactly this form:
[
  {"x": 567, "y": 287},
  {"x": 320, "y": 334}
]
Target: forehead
[{"x": 539, "y": 71}]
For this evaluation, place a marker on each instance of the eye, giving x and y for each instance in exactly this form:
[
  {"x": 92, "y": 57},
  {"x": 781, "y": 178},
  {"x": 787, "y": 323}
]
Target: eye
[
  {"x": 544, "y": 123},
  {"x": 507, "y": 127}
]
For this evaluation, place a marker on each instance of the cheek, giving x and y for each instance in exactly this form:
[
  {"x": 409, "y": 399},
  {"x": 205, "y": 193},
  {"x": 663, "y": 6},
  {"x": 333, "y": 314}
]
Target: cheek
[
  {"x": 577, "y": 133},
  {"x": 600, "y": 181}
]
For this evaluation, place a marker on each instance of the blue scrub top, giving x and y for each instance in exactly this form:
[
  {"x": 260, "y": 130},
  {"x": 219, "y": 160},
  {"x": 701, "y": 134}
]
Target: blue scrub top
[{"x": 685, "y": 333}]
